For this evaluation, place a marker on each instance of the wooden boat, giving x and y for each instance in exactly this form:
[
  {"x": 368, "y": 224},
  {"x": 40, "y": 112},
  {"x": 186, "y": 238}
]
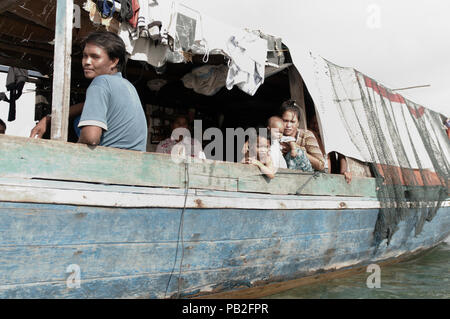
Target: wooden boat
[
  {"x": 132, "y": 220},
  {"x": 81, "y": 222}
]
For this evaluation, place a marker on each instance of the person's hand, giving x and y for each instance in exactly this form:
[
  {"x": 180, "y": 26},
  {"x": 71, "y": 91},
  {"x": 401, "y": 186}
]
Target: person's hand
[
  {"x": 293, "y": 149},
  {"x": 252, "y": 161},
  {"x": 348, "y": 177},
  {"x": 41, "y": 127},
  {"x": 285, "y": 147}
]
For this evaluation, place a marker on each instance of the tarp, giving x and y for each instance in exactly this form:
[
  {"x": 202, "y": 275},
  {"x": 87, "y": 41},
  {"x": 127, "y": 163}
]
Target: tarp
[{"x": 358, "y": 117}]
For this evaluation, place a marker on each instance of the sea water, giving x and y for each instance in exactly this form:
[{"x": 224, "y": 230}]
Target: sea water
[{"x": 426, "y": 276}]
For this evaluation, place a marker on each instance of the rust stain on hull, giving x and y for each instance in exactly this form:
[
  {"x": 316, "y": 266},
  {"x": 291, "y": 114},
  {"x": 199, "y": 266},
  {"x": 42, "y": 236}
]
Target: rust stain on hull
[
  {"x": 199, "y": 203},
  {"x": 279, "y": 284}
]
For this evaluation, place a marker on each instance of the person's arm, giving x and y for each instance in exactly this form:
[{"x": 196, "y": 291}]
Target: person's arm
[
  {"x": 90, "y": 135},
  {"x": 267, "y": 169},
  {"x": 316, "y": 163},
  {"x": 293, "y": 149},
  {"x": 244, "y": 152},
  {"x": 41, "y": 127},
  {"x": 76, "y": 110},
  {"x": 93, "y": 120},
  {"x": 344, "y": 168},
  {"x": 313, "y": 151}
]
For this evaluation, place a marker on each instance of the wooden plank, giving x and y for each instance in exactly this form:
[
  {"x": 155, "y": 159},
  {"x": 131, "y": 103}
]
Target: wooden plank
[
  {"x": 23, "y": 31},
  {"x": 55, "y": 160},
  {"x": 41, "y": 12},
  {"x": 62, "y": 70},
  {"x": 51, "y": 225},
  {"x": 268, "y": 288},
  {"x": 6, "y": 5},
  {"x": 324, "y": 184},
  {"x": 152, "y": 286},
  {"x": 273, "y": 247},
  {"x": 17, "y": 63},
  {"x": 23, "y": 49},
  {"x": 296, "y": 89},
  {"x": 35, "y": 158},
  {"x": 111, "y": 260},
  {"x": 131, "y": 199}
]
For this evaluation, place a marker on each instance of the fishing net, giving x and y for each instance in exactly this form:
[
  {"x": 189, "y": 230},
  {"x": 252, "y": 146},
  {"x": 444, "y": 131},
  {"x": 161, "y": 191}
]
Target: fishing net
[{"x": 404, "y": 143}]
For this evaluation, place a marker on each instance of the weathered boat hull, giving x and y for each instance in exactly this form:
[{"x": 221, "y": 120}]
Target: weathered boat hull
[
  {"x": 125, "y": 252},
  {"x": 68, "y": 210}
]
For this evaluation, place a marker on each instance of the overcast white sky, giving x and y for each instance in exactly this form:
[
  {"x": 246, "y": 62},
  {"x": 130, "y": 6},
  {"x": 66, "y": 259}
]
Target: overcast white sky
[{"x": 400, "y": 43}]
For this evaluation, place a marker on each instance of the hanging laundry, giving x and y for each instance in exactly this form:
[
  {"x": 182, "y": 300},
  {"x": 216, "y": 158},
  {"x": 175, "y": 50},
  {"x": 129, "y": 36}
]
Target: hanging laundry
[
  {"x": 136, "y": 8},
  {"x": 98, "y": 10},
  {"x": 148, "y": 23},
  {"x": 3, "y": 97},
  {"x": 106, "y": 8},
  {"x": 148, "y": 40},
  {"x": 207, "y": 79},
  {"x": 275, "y": 55},
  {"x": 126, "y": 10},
  {"x": 143, "y": 49},
  {"x": 15, "y": 82},
  {"x": 248, "y": 54}
]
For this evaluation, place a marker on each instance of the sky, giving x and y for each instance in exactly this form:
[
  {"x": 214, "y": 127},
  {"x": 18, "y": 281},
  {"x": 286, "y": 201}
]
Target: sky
[{"x": 399, "y": 43}]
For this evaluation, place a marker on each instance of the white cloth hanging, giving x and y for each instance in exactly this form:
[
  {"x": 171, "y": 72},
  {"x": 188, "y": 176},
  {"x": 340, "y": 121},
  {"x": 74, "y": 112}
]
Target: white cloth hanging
[{"x": 248, "y": 56}]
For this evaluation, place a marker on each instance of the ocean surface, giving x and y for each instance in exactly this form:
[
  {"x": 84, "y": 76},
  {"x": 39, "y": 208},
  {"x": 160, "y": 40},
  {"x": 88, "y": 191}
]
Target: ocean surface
[{"x": 425, "y": 277}]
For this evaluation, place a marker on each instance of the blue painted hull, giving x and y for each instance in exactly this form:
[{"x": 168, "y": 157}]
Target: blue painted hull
[{"x": 130, "y": 252}]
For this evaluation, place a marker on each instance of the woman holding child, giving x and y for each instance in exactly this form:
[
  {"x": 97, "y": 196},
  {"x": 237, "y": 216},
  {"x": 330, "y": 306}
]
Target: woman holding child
[{"x": 300, "y": 146}]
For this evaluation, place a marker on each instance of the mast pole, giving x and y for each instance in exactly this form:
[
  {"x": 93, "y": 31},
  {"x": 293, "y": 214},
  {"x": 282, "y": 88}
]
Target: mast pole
[{"x": 62, "y": 70}]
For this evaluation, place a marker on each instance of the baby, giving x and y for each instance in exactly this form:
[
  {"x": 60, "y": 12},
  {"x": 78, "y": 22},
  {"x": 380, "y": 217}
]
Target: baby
[{"x": 275, "y": 125}]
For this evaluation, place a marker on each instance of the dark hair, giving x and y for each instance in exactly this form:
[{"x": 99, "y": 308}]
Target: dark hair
[
  {"x": 290, "y": 105},
  {"x": 182, "y": 116},
  {"x": 111, "y": 43},
  {"x": 2, "y": 123}
]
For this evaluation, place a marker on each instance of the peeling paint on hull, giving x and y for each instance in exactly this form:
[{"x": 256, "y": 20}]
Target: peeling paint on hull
[{"x": 130, "y": 252}]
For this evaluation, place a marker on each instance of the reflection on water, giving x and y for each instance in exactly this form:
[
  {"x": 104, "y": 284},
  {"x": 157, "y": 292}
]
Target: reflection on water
[{"x": 427, "y": 276}]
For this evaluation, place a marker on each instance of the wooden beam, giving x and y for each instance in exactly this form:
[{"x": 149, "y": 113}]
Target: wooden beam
[
  {"x": 24, "y": 49},
  {"x": 62, "y": 70},
  {"x": 15, "y": 27},
  {"x": 38, "y": 12},
  {"x": 5, "y": 5},
  {"x": 296, "y": 88},
  {"x": 55, "y": 160},
  {"x": 42, "y": 13}
]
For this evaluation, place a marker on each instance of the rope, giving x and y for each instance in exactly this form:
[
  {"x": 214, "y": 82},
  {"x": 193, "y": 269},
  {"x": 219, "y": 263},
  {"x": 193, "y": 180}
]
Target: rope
[
  {"x": 314, "y": 175},
  {"x": 180, "y": 235}
]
